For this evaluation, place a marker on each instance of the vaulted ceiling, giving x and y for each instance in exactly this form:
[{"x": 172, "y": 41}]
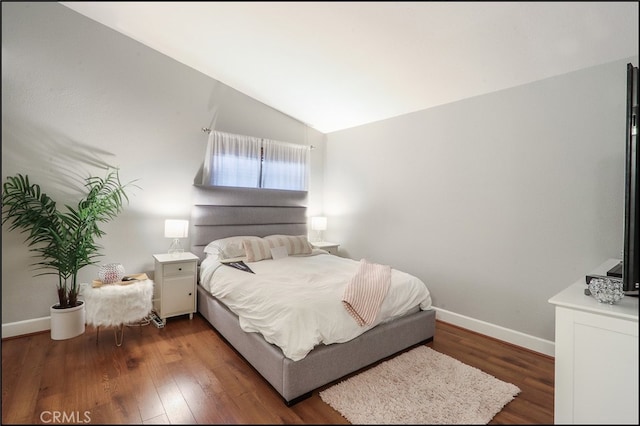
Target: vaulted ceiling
[{"x": 335, "y": 65}]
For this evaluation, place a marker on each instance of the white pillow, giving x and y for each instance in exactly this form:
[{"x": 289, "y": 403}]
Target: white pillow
[
  {"x": 279, "y": 252},
  {"x": 295, "y": 244},
  {"x": 228, "y": 248},
  {"x": 256, "y": 249}
]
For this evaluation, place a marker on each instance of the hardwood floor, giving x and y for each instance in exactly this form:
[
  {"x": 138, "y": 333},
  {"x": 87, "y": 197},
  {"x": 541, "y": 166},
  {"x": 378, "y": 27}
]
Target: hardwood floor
[{"x": 187, "y": 373}]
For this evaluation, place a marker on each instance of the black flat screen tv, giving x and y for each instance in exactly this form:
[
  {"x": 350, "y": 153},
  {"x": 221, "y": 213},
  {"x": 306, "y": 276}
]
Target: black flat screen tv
[{"x": 631, "y": 249}]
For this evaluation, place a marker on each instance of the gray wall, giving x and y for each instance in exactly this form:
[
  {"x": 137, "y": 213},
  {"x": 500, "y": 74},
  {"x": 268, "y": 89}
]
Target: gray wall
[
  {"x": 77, "y": 95},
  {"x": 497, "y": 202}
]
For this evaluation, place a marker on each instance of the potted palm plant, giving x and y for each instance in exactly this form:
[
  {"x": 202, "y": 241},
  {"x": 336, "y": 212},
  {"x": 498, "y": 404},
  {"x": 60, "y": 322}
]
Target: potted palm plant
[{"x": 63, "y": 242}]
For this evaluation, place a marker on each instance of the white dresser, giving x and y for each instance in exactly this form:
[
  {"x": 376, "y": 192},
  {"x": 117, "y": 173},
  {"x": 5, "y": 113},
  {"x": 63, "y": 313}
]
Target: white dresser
[{"x": 596, "y": 357}]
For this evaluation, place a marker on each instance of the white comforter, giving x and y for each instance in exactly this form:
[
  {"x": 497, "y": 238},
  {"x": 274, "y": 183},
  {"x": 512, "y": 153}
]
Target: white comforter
[{"x": 295, "y": 302}]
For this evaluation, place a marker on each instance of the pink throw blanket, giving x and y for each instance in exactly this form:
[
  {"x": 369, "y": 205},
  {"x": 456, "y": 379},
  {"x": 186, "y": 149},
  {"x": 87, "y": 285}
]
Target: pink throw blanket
[{"x": 366, "y": 290}]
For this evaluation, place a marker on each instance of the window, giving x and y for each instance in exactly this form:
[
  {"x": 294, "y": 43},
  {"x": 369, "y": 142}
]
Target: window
[{"x": 246, "y": 161}]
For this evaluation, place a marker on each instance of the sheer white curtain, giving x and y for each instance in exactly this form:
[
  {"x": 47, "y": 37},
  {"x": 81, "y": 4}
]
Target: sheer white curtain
[
  {"x": 232, "y": 160},
  {"x": 285, "y": 165}
]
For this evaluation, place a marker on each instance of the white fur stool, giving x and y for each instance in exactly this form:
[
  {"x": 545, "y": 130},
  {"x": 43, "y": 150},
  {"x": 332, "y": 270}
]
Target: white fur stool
[{"x": 116, "y": 305}]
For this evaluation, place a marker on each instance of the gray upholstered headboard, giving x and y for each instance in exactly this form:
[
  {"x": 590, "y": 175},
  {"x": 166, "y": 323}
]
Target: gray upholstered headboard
[{"x": 220, "y": 212}]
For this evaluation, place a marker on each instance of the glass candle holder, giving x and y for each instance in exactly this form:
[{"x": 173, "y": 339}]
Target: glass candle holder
[
  {"x": 111, "y": 273},
  {"x": 606, "y": 290}
]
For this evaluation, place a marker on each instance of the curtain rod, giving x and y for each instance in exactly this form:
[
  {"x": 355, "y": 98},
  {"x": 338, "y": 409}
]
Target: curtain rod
[{"x": 208, "y": 130}]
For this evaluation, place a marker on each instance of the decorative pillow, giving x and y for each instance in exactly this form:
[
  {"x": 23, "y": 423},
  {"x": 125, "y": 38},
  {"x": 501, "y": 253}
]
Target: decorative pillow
[
  {"x": 256, "y": 249},
  {"x": 228, "y": 248},
  {"x": 279, "y": 252},
  {"x": 295, "y": 244}
]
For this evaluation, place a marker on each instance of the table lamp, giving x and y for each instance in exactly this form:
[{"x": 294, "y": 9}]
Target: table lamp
[
  {"x": 319, "y": 224},
  {"x": 176, "y": 229}
]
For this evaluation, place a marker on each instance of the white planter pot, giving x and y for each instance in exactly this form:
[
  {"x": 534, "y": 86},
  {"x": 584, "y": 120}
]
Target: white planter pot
[{"x": 67, "y": 323}]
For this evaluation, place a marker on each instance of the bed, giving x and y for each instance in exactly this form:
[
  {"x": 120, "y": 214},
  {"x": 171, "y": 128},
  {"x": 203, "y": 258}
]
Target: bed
[{"x": 221, "y": 213}]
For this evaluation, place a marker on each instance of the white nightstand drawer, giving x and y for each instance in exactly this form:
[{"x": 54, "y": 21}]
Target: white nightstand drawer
[{"x": 179, "y": 268}]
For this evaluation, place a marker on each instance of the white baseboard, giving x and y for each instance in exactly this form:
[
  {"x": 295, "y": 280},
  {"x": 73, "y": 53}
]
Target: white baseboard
[
  {"x": 517, "y": 338},
  {"x": 510, "y": 336},
  {"x": 20, "y": 328}
]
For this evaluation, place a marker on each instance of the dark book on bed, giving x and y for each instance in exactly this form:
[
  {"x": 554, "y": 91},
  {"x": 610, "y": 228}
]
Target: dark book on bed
[{"x": 239, "y": 265}]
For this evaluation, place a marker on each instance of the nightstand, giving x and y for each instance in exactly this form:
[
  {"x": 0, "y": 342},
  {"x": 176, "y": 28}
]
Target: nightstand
[
  {"x": 325, "y": 245},
  {"x": 175, "y": 280}
]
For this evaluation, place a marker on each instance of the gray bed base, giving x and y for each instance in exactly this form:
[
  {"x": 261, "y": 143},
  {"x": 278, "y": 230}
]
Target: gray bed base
[
  {"x": 295, "y": 380},
  {"x": 220, "y": 212}
]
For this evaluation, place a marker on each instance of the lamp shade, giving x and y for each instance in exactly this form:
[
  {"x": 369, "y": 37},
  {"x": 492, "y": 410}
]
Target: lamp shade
[
  {"x": 176, "y": 228},
  {"x": 319, "y": 223}
]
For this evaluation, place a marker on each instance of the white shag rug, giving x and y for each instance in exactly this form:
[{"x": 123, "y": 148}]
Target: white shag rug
[{"x": 420, "y": 386}]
